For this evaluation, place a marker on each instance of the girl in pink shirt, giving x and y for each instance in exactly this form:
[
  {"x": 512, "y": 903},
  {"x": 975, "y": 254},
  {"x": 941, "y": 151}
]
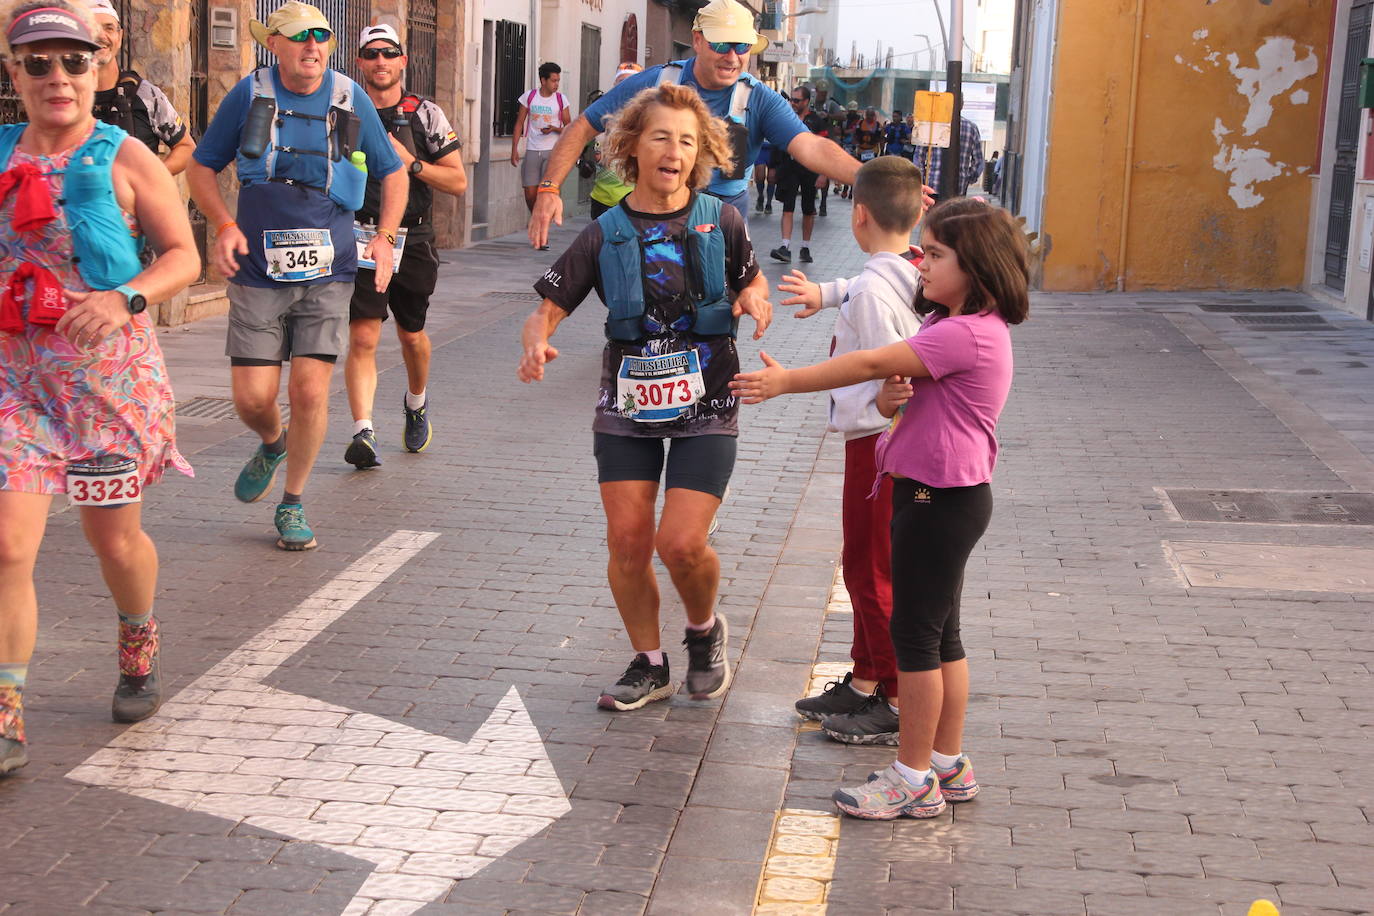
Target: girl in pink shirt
[{"x": 940, "y": 454}]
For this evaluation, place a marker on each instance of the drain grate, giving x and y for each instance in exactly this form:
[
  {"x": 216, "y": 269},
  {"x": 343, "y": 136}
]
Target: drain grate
[
  {"x": 1275, "y": 507},
  {"x": 210, "y": 410},
  {"x": 1305, "y": 320},
  {"x": 1251, "y": 309},
  {"x": 527, "y": 295}
]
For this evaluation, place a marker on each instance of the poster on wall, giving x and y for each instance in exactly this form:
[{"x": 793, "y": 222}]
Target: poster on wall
[{"x": 980, "y": 105}]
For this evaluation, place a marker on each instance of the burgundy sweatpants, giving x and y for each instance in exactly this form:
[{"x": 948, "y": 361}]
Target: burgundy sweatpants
[{"x": 867, "y": 563}]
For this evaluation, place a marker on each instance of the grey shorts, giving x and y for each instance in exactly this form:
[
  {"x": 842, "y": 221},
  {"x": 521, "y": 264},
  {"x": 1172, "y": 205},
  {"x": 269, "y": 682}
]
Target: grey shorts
[
  {"x": 304, "y": 318},
  {"x": 533, "y": 165}
]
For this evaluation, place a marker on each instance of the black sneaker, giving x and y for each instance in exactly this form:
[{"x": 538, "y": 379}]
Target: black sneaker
[
  {"x": 418, "y": 431},
  {"x": 708, "y": 670},
  {"x": 137, "y": 697},
  {"x": 838, "y": 698},
  {"x": 758, "y": 207},
  {"x": 805, "y": 255},
  {"x": 768, "y": 209},
  {"x": 781, "y": 254},
  {"x": 643, "y": 682},
  {"x": 873, "y": 722},
  {"x": 362, "y": 451},
  {"x": 822, "y": 213}
]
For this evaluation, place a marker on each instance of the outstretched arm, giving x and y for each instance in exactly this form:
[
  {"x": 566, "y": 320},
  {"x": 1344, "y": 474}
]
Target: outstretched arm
[
  {"x": 548, "y": 208},
  {"x": 848, "y": 369}
]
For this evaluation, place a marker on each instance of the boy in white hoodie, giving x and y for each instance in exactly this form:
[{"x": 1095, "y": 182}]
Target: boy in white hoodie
[{"x": 875, "y": 310}]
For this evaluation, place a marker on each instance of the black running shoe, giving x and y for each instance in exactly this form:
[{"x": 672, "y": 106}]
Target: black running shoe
[
  {"x": 838, "y": 698},
  {"x": 708, "y": 670},
  {"x": 805, "y": 255},
  {"x": 781, "y": 254},
  {"x": 643, "y": 682},
  {"x": 362, "y": 451},
  {"x": 873, "y": 722},
  {"x": 418, "y": 431},
  {"x": 137, "y": 697}
]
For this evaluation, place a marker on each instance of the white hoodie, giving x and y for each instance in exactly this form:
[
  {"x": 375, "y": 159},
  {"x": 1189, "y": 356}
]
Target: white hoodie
[{"x": 875, "y": 310}]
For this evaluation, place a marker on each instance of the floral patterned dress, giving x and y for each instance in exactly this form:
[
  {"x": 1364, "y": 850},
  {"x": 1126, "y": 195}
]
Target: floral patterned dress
[{"x": 60, "y": 403}]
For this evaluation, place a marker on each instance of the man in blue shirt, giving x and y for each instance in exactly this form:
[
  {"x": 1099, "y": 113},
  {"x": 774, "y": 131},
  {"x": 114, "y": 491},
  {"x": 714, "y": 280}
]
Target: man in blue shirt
[
  {"x": 300, "y": 136},
  {"x": 723, "y": 36}
]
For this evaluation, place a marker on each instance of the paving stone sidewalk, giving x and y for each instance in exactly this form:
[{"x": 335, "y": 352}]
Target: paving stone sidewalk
[{"x": 1145, "y": 745}]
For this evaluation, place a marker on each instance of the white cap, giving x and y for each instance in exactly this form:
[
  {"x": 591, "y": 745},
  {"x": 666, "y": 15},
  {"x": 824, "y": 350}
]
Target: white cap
[
  {"x": 382, "y": 32},
  {"x": 103, "y": 8}
]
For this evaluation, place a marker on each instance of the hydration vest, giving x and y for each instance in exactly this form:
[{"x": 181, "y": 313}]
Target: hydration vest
[
  {"x": 303, "y": 136},
  {"x": 622, "y": 269},
  {"x": 104, "y": 252},
  {"x": 735, "y": 124},
  {"x": 120, "y": 112},
  {"x": 407, "y": 128}
]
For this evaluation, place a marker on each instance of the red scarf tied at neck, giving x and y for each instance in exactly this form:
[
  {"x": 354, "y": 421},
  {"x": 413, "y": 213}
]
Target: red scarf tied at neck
[{"x": 33, "y": 207}]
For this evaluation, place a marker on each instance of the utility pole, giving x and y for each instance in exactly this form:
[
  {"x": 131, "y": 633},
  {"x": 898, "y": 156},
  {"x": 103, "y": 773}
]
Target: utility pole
[{"x": 952, "y": 157}]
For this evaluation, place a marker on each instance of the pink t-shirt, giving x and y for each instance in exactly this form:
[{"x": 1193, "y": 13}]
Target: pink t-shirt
[{"x": 945, "y": 436}]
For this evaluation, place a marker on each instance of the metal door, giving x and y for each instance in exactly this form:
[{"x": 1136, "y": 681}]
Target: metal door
[
  {"x": 589, "y": 81},
  {"x": 1347, "y": 147},
  {"x": 421, "y": 51}
]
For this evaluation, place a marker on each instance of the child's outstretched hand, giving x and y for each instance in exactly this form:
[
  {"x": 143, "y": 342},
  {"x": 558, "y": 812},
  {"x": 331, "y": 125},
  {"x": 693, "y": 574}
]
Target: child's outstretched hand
[
  {"x": 757, "y": 387},
  {"x": 750, "y": 302},
  {"x": 803, "y": 292},
  {"x": 895, "y": 392}
]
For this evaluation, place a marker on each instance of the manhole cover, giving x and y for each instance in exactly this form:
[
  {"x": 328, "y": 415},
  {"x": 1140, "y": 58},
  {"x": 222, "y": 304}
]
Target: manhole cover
[
  {"x": 1251, "y": 309},
  {"x": 1273, "y": 567},
  {"x": 1305, "y": 320},
  {"x": 210, "y": 410},
  {"x": 1274, "y": 507},
  {"x": 527, "y": 295}
]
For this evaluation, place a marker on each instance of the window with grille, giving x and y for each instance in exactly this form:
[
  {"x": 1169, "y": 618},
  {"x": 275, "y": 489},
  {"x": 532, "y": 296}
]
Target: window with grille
[
  {"x": 421, "y": 50},
  {"x": 510, "y": 75},
  {"x": 347, "y": 18}
]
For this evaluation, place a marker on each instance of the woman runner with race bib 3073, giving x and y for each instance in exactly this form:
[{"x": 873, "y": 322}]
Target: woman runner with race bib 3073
[{"x": 676, "y": 270}]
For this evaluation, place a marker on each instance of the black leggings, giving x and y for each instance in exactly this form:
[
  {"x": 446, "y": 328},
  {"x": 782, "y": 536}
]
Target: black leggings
[{"x": 933, "y": 532}]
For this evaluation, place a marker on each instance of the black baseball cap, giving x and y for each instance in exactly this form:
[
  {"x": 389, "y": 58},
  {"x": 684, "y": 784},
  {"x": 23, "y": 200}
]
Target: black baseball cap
[{"x": 49, "y": 23}]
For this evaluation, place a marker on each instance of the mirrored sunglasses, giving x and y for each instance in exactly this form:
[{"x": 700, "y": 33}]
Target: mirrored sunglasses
[
  {"x": 374, "y": 53},
  {"x": 725, "y": 47},
  {"x": 74, "y": 62},
  {"x": 321, "y": 36}
]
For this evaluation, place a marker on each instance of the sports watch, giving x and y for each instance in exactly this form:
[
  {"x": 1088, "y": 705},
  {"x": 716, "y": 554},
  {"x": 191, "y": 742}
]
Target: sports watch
[
  {"x": 416, "y": 167},
  {"x": 133, "y": 299}
]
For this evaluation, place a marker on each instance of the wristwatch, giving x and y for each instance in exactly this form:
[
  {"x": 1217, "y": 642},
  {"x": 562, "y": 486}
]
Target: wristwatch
[
  {"x": 133, "y": 299},
  {"x": 416, "y": 167}
]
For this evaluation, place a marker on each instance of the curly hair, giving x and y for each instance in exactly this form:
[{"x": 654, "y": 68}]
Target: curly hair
[
  {"x": 13, "y": 9},
  {"x": 713, "y": 142}
]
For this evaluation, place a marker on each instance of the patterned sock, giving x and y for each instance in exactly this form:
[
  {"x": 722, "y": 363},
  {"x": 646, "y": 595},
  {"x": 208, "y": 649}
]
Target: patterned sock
[
  {"x": 12, "y": 712},
  {"x": 137, "y": 647},
  {"x": 13, "y": 674},
  {"x": 136, "y": 620}
]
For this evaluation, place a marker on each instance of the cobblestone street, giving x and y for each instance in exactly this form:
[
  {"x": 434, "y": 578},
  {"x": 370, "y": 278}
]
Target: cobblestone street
[{"x": 1169, "y": 624}]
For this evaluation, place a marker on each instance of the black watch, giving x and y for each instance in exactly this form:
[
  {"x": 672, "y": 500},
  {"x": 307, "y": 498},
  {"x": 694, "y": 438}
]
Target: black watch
[
  {"x": 416, "y": 166},
  {"x": 135, "y": 300}
]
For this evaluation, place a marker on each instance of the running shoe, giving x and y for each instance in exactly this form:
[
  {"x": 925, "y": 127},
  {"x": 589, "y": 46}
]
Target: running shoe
[
  {"x": 137, "y": 696},
  {"x": 768, "y": 209},
  {"x": 13, "y": 753},
  {"x": 643, "y": 682},
  {"x": 822, "y": 213},
  {"x": 362, "y": 451},
  {"x": 418, "y": 431},
  {"x": 957, "y": 783},
  {"x": 873, "y": 722},
  {"x": 758, "y": 207},
  {"x": 804, "y": 255},
  {"x": 838, "y": 698},
  {"x": 708, "y": 670},
  {"x": 258, "y": 475},
  {"x": 291, "y": 525},
  {"x": 887, "y": 795},
  {"x": 781, "y": 254}
]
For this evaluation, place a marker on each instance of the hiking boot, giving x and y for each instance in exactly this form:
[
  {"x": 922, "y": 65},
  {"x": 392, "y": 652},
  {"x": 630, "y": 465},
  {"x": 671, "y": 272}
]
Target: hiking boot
[
  {"x": 418, "y": 431},
  {"x": 781, "y": 254},
  {"x": 362, "y": 451},
  {"x": 258, "y": 475},
  {"x": 837, "y": 699},
  {"x": 957, "y": 783},
  {"x": 873, "y": 722},
  {"x": 13, "y": 752},
  {"x": 887, "y": 795},
  {"x": 643, "y": 682},
  {"x": 708, "y": 670},
  {"x": 805, "y": 255},
  {"x": 139, "y": 691},
  {"x": 291, "y": 525}
]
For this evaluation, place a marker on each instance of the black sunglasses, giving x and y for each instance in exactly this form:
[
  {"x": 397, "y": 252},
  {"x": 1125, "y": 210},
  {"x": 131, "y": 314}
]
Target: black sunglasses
[
  {"x": 74, "y": 62},
  {"x": 797, "y": 101},
  {"x": 374, "y": 53}
]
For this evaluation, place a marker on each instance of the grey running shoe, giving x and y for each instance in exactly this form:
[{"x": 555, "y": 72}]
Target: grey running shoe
[
  {"x": 887, "y": 795},
  {"x": 708, "y": 670},
  {"x": 873, "y": 722},
  {"x": 362, "y": 451},
  {"x": 838, "y": 698},
  {"x": 418, "y": 431},
  {"x": 643, "y": 682},
  {"x": 781, "y": 254},
  {"x": 13, "y": 755}
]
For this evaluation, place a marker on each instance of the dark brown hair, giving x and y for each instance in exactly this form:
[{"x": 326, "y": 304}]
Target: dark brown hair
[
  {"x": 713, "y": 143},
  {"x": 890, "y": 187},
  {"x": 992, "y": 252}
]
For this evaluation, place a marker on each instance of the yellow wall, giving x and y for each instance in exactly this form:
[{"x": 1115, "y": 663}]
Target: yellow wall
[{"x": 1207, "y": 72}]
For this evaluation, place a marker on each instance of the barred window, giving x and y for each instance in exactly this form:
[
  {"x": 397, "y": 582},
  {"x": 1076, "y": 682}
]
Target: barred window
[{"x": 510, "y": 75}]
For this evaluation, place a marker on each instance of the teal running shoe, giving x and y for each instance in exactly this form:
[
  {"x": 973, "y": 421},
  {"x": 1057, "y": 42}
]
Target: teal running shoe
[
  {"x": 887, "y": 796},
  {"x": 257, "y": 475},
  {"x": 291, "y": 525}
]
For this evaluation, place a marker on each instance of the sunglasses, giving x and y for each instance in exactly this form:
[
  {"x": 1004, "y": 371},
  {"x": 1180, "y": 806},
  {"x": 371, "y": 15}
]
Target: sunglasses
[
  {"x": 796, "y": 101},
  {"x": 725, "y": 47},
  {"x": 374, "y": 53},
  {"x": 320, "y": 35},
  {"x": 74, "y": 62}
]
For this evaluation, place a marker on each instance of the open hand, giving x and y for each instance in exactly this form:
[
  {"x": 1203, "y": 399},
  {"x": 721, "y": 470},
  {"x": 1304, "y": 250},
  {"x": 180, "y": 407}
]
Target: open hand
[
  {"x": 756, "y": 306},
  {"x": 757, "y": 387},
  {"x": 533, "y": 360},
  {"x": 803, "y": 292}
]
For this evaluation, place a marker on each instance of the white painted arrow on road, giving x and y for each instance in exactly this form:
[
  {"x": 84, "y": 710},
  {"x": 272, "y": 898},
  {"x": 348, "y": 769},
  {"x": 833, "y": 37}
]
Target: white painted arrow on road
[{"x": 424, "y": 809}]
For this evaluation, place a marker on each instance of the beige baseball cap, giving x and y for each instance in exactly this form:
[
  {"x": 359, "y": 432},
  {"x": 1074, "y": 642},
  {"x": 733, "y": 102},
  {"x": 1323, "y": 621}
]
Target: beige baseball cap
[
  {"x": 291, "y": 17},
  {"x": 726, "y": 20}
]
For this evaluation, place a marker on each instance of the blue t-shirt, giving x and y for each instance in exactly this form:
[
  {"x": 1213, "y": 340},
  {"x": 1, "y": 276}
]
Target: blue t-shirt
[
  {"x": 769, "y": 116},
  {"x": 266, "y": 208}
]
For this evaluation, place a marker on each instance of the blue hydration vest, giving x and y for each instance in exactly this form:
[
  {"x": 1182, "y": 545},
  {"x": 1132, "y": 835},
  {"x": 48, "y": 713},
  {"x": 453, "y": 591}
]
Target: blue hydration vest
[
  {"x": 622, "y": 269},
  {"x": 106, "y": 255}
]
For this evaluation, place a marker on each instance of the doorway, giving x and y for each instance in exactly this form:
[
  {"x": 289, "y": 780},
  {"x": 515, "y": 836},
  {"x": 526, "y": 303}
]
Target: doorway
[
  {"x": 589, "y": 77},
  {"x": 1347, "y": 147}
]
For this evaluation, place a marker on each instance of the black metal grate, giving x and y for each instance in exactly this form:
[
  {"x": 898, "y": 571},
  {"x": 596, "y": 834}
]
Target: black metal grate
[
  {"x": 1274, "y": 507},
  {"x": 1309, "y": 321},
  {"x": 510, "y": 75},
  {"x": 421, "y": 47},
  {"x": 1251, "y": 309},
  {"x": 515, "y": 296},
  {"x": 213, "y": 409}
]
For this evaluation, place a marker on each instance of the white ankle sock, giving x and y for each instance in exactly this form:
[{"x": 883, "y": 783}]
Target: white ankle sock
[
  {"x": 415, "y": 401},
  {"x": 915, "y": 777},
  {"x": 702, "y": 627},
  {"x": 859, "y": 692},
  {"x": 944, "y": 761},
  {"x": 360, "y": 425},
  {"x": 655, "y": 657},
  {"x": 895, "y": 710}
]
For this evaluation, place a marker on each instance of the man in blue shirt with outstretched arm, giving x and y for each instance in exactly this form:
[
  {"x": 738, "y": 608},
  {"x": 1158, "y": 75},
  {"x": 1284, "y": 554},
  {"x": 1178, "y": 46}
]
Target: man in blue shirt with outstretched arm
[{"x": 723, "y": 37}]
